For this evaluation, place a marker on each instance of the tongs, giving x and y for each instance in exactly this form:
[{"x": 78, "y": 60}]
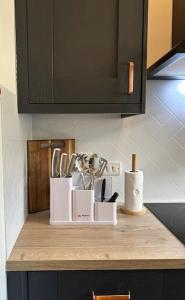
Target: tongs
[{"x": 96, "y": 168}]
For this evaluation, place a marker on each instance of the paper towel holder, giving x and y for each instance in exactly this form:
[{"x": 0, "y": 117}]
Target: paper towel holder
[
  {"x": 133, "y": 213},
  {"x": 131, "y": 202}
]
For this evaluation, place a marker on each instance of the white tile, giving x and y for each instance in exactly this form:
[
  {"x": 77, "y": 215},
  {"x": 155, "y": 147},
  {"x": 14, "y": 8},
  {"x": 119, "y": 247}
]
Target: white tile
[
  {"x": 159, "y": 111},
  {"x": 169, "y": 94},
  {"x": 158, "y": 137},
  {"x": 180, "y": 137}
]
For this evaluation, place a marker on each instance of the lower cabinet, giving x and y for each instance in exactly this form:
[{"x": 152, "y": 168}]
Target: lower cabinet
[
  {"x": 80, "y": 285},
  {"x": 174, "y": 285},
  {"x": 141, "y": 284},
  {"x": 42, "y": 286}
]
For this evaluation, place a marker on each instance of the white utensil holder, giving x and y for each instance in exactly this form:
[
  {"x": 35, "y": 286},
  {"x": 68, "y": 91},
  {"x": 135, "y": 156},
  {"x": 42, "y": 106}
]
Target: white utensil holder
[
  {"x": 83, "y": 205},
  {"x": 106, "y": 213},
  {"x": 60, "y": 200},
  {"x": 71, "y": 206}
]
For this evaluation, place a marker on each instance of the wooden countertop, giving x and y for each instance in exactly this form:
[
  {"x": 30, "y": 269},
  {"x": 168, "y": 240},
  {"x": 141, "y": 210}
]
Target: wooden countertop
[{"x": 135, "y": 243}]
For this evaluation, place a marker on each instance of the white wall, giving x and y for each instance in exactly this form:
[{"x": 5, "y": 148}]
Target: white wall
[
  {"x": 158, "y": 137},
  {"x": 15, "y": 130},
  {"x": 2, "y": 227}
]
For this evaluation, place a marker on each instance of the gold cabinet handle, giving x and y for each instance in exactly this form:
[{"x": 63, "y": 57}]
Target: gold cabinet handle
[
  {"x": 112, "y": 297},
  {"x": 131, "y": 78}
]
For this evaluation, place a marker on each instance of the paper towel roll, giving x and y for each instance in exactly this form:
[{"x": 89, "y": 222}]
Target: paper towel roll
[{"x": 134, "y": 191}]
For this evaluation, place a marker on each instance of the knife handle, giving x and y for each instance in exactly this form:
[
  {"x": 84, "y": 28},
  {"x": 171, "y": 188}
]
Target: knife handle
[
  {"x": 71, "y": 165},
  {"x": 63, "y": 161},
  {"x": 55, "y": 172},
  {"x": 113, "y": 198}
]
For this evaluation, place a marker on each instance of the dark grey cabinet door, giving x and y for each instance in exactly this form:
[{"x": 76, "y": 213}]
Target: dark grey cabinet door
[
  {"x": 78, "y": 285},
  {"x": 81, "y": 52},
  {"x": 43, "y": 285},
  {"x": 174, "y": 285},
  {"x": 94, "y": 42},
  {"x": 40, "y": 51},
  {"x": 17, "y": 285}
]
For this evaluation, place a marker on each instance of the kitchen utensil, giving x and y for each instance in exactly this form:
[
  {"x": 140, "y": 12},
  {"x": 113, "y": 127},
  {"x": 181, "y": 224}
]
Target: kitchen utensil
[
  {"x": 94, "y": 164},
  {"x": 103, "y": 190},
  {"x": 63, "y": 164},
  {"x": 93, "y": 167},
  {"x": 55, "y": 165},
  {"x": 103, "y": 164},
  {"x": 80, "y": 169},
  {"x": 97, "y": 166},
  {"x": 113, "y": 198},
  {"x": 98, "y": 188},
  {"x": 83, "y": 160},
  {"x": 71, "y": 165},
  {"x": 90, "y": 172}
]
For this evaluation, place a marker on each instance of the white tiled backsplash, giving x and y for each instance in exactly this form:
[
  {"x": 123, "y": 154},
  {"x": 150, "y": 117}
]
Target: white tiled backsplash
[{"x": 158, "y": 137}]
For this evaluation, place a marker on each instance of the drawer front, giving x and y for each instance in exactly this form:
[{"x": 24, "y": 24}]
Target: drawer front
[
  {"x": 174, "y": 285},
  {"x": 42, "y": 285},
  {"x": 80, "y": 285},
  {"x": 17, "y": 286}
]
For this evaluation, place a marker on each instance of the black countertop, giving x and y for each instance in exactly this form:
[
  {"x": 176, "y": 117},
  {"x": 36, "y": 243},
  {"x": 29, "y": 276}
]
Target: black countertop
[{"x": 172, "y": 215}]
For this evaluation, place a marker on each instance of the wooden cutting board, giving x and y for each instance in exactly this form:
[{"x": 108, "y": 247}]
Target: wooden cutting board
[{"x": 39, "y": 171}]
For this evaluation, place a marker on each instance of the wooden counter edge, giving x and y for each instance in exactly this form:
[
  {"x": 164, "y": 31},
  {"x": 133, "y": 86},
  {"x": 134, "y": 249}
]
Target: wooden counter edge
[{"x": 95, "y": 265}]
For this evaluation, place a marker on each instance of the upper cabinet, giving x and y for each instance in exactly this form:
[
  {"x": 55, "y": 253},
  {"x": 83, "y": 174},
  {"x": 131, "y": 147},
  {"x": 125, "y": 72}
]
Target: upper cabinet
[{"x": 81, "y": 56}]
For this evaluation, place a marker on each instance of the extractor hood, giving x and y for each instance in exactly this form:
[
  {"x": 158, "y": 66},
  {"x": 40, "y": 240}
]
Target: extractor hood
[{"x": 170, "y": 66}]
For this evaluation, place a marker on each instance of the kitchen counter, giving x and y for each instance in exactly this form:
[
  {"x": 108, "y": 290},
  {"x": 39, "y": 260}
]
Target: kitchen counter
[{"x": 137, "y": 242}]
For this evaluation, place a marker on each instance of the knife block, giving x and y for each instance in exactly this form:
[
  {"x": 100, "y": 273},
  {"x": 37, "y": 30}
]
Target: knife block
[
  {"x": 60, "y": 200},
  {"x": 39, "y": 171}
]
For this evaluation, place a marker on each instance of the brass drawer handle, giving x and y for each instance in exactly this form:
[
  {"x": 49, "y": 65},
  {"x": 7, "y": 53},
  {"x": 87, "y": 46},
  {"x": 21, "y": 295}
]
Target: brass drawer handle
[
  {"x": 131, "y": 78},
  {"x": 112, "y": 297}
]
